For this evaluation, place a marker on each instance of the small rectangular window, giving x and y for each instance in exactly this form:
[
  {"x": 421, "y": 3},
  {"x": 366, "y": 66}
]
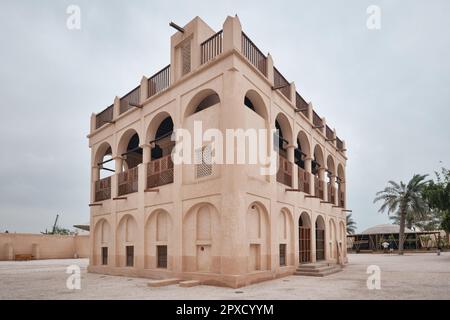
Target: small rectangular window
[
  {"x": 162, "y": 256},
  {"x": 104, "y": 256},
  {"x": 130, "y": 256},
  {"x": 282, "y": 254}
]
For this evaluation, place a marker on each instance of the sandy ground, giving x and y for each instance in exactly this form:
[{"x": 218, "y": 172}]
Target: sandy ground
[{"x": 413, "y": 276}]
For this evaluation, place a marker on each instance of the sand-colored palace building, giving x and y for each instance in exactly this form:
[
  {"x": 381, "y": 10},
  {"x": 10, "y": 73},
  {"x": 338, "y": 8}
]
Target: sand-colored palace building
[{"x": 223, "y": 224}]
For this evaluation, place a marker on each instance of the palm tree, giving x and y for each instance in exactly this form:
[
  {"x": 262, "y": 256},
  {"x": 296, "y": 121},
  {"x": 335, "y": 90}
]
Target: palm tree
[
  {"x": 403, "y": 199},
  {"x": 351, "y": 224}
]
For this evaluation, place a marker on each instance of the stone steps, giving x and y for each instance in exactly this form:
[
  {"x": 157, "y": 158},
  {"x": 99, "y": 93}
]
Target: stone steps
[
  {"x": 317, "y": 269},
  {"x": 189, "y": 283},
  {"x": 163, "y": 282}
]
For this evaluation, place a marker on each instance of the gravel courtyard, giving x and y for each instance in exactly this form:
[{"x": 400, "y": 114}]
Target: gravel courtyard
[{"x": 412, "y": 276}]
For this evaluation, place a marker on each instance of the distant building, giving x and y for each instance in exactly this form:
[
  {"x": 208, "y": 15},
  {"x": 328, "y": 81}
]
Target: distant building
[{"x": 372, "y": 238}]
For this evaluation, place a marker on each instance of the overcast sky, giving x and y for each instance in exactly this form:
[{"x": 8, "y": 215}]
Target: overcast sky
[{"x": 386, "y": 91}]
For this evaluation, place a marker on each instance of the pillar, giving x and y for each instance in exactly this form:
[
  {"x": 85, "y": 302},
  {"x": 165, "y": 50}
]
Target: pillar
[
  {"x": 232, "y": 34},
  {"x": 144, "y": 90},
  {"x": 308, "y": 168},
  {"x": 290, "y": 156}
]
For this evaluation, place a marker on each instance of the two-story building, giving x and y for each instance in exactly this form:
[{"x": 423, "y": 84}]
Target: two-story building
[{"x": 223, "y": 224}]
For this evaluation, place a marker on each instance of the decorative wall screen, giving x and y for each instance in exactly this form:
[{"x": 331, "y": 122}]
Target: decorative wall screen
[{"x": 203, "y": 160}]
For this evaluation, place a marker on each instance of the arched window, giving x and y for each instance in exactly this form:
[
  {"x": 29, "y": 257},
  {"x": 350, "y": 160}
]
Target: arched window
[
  {"x": 207, "y": 102},
  {"x": 162, "y": 144},
  {"x": 133, "y": 154}
]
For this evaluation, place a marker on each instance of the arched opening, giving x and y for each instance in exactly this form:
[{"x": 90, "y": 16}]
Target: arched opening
[
  {"x": 254, "y": 102},
  {"x": 301, "y": 152},
  {"x": 102, "y": 245},
  {"x": 157, "y": 240},
  {"x": 131, "y": 153},
  {"x": 201, "y": 239},
  {"x": 257, "y": 230},
  {"x": 162, "y": 143},
  {"x": 202, "y": 101},
  {"x": 126, "y": 241},
  {"x": 320, "y": 238},
  {"x": 304, "y": 237},
  {"x": 286, "y": 238},
  {"x": 318, "y": 167},
  {"x": 282, "y": 139},
  {"x": 105, "y": 168},
  {"x": 331, "y": 183}
]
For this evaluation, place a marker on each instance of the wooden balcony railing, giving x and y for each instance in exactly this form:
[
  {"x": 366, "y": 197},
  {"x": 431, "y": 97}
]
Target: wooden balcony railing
[
  {"x": 130, "y": 99},
  {"x": 329, "y": 133},
  {"x": 331, "y": 190},
  {"x": 284, "y": 174},
  {"x": 253, "y": 54},
  {"x": 341, "y": 198},
  {"x": 301, "y": 104},
  {"x": 280, "y": 81},
  {"x": 317, "y": 120},
  {"x": 211, "y": 47},
  {"x": 159, "y": 82},
  {"x": 104, "y": 117},
  {"x": 160, "y": 172},
  {"x": 318, "y": 188},
  {"x": 103, "y": 189},
  {"x": 303, "y": 180},
  {"x": 128, "y": 181}
]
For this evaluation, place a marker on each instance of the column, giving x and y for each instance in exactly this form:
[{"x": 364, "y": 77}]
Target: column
[
  {"x": 232, "y": 34},
  {"x": 322, "y": 178},
  {"x": 290, "y": 156},
  {"x": 308, "y": 168}
]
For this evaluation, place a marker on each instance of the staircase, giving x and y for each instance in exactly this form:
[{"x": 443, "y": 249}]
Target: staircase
[{"x": 320, "y": 269}]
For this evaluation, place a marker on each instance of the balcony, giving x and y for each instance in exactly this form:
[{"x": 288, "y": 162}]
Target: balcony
[
  {"x": 211, "y": 47},
  {"x": 103, "y": 189},
  {"x": 128, "y": 181},
  {"x": 253, "y": 54},
  {"x": 318, "y": 188},
  {"x": 331, "y": 190},
  {"x": 341, "y": 198},
  {"x": 284, "y": 174},
  {"x": 104, "y": 117},
  {"x": 303, "y": 180},
  {"x": 160, "y": 172}
]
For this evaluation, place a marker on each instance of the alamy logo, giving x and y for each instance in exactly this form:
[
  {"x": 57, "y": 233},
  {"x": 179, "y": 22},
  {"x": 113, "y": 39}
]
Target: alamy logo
[
  {"x": 374, "y": 279},
  {"x": 238, "y": 146},
  {"x": 74, "y": 19},
  {"x": 73, "y": 282},
  {"x": 374, "y": 19}
]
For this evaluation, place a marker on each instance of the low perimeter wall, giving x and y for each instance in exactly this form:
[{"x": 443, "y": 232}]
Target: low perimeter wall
[{"x": 43, "y": 246}]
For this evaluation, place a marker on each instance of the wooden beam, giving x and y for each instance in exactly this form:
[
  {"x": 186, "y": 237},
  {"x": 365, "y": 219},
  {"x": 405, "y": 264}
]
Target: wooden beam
[
  {"x": 151, "y": 190},
  {"x": 177, "y": 27},
  {"x": 95, "y": 204},
  {"x": 120, "y": 198},
  {"x": 280, "y": 87}
]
